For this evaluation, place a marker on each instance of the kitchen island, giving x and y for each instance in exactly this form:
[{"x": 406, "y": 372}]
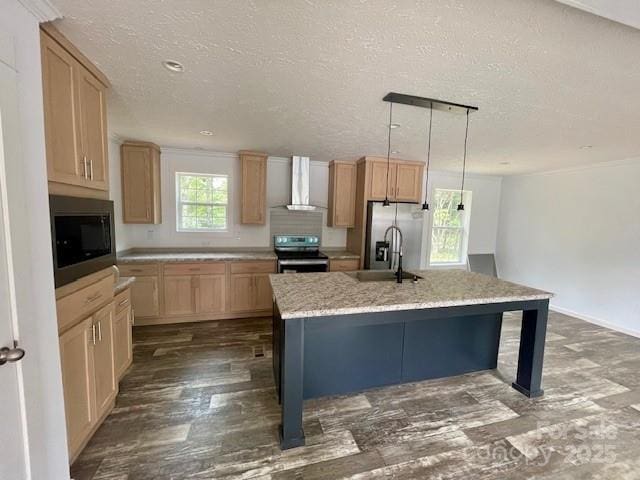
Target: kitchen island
[{"x": 335, "y": 333}]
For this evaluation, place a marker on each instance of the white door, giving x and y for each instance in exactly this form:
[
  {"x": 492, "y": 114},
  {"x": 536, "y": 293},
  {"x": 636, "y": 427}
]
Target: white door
[{"x": 13, "y": 445}]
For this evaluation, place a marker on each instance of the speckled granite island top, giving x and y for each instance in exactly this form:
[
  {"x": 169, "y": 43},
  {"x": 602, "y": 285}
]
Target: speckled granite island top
[
  {"x": 170, "y": 257},
  {"x": 321, "y": 294}
]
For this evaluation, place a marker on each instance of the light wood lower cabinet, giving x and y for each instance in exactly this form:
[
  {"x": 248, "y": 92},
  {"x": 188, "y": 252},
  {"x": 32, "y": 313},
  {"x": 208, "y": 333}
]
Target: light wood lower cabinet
[
  {"x": 211, "y": 294},
  {"x": 145, "y": 296},
  {"x": 122, "y": 334},
  {"x": 78, "y": 381},
  {"x": 88, "y": 375},
  {"x": 344, "y": 265},
  {"x": 263, "y": 295},
  {"x": 250, "y": 289},
  {"x": 241, "y": 288},
  {"x": 103, "y": 360},
  {"x": 179, "y": 295}
]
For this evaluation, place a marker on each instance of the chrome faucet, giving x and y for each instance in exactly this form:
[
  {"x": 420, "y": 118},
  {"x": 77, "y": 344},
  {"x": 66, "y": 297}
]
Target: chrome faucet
[{"x": 399, "y": 271}]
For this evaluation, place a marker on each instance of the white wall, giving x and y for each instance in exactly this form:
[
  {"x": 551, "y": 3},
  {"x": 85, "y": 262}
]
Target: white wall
[
  {"x": 577, "y": 234},
  {"x": 32, "y": 258},
  {"x": 201, "y": 161}
]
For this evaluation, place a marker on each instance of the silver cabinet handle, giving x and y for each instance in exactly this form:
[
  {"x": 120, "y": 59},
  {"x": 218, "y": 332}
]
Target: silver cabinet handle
[
  {"x": 12, "y": 355},
  {"x": 84, "y": 166},
  {"x": 100, "y": 331},
  {"x": 123, "y": 302},
  {"x": 93, "y": 333},
  {"x": 91, "y": 169}
]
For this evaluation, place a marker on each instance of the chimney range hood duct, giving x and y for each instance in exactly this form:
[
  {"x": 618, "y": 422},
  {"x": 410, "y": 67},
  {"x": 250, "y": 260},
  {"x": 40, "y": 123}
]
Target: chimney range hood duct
[{"x": 300, "y": 184}]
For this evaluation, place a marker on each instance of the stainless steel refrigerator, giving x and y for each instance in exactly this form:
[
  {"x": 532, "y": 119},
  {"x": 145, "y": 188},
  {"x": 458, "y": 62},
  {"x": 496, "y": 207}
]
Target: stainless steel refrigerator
[{"x": 411, "y": 220}]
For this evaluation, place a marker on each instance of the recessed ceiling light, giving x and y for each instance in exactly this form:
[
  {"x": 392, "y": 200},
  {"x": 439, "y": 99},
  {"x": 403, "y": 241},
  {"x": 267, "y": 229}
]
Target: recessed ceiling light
[
  {"x": 395, "y": 151},
  {"x": 173, "y": 66},
  {"x": 586, "y": 147},
  {"x": 207, "y": 133},
  {"x": 395, "y": 125},
  {"x": 505, "y": 163}
]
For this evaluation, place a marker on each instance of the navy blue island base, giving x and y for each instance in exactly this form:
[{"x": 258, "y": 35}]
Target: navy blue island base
[{"x": 338, "y": 354}]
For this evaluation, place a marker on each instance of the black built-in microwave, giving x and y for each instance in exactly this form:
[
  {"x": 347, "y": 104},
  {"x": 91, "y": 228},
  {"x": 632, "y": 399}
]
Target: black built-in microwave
[{"x": 82, "y": 237}]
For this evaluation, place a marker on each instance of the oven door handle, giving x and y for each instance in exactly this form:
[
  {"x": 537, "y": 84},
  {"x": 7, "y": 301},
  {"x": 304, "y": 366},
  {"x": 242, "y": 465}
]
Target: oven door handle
[{"x": 303, "y": 262}]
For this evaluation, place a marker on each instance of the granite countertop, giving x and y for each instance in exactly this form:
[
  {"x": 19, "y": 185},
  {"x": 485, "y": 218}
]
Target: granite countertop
[
  {"x": 338, "y": 293},
  {"x": 339, "y": 254},
  {"x": 178, "y": 256},
  {"x": 123, "y": 283}
]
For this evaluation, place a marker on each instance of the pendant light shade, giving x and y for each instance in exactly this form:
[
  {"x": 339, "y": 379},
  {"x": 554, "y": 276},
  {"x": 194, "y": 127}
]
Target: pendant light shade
[
  {"x": 425, "y": 204},
  {"x": 385, "y": 203},
  {"x": 464, "y": 165}
]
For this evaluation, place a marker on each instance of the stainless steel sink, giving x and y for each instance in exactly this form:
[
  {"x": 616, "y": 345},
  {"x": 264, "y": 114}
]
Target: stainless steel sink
[{"x": 381, "y": 276}]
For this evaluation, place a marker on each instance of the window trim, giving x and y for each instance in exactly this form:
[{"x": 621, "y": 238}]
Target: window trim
[
  {"x": 179, "y": 204},
  {"x": 464, "y": 247}
]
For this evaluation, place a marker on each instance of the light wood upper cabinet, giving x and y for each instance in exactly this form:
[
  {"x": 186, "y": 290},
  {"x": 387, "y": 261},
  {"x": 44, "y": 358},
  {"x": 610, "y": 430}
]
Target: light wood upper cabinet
[
  {"x": 254, "y": 187},
  {"x": 93, "y": 121},
  {"x": 408, "y": 178},
  {"x": 78, "y": 381},
  {"x": 141, "y": 201},
  {"x": 61, "y": 114},
  {"x": 105, "y": 375},
  {"x": 75, "y": 112},
  {"x": 342, "y": 194},
  {"x": 381, "y": 183}
]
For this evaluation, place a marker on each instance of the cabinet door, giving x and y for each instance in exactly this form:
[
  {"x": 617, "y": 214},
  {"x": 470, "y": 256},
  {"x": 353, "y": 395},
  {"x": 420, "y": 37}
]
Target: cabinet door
[
  {"x": 137, "y": 182},
  {"x": 408, "y": 182},
  {"x": 179, "y": 295},
  {"x": 103, "y": 358},
  {"x": 93, "y": 128},
  {"x": 241, "y": 292},
  {"x": 211, "y": 293},
  {"x": 62, "y": 123},
  {"x": 122, "y": 341},
  {"x": 342, "y": 195},
  {"x": 262, "y": 295},
  {"x": 381, "y": 184},
  {"x": 78, "y": 382},
  {"x": 254, "y": 187},
  {"x": 144, "y": 296}
]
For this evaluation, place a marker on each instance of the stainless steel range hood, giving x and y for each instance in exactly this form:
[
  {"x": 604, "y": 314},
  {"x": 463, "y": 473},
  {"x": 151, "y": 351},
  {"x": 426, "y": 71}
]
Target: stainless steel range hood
[{"x": 300, "y": 184}]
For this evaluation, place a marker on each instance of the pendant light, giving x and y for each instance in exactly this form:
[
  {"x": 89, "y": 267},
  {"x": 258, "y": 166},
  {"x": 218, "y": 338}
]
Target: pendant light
[
  {"x": 386, "y": 194},
  {"x": 425, "y": 205},
  {"x": 464, "y": 164}
]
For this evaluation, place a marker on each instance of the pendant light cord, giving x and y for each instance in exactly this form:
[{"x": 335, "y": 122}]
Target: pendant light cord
[
  {"x": 386, "y": 196},
  {"x": 464, "y": 158},
  {"x": 426, "y": 181}
]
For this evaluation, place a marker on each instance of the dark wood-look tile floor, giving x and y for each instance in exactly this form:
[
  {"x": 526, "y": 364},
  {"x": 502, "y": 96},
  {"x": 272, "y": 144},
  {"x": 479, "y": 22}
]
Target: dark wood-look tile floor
[{"x": 199, "y": 403}]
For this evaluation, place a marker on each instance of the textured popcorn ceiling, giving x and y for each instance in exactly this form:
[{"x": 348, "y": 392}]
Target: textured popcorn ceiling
[{"x": 307, "y": 77}]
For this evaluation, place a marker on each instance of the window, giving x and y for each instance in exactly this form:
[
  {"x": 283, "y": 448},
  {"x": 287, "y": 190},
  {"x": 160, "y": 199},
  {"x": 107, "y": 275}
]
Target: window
[
  {"x": 202, "y": 202},
  {"x": 449, "y": 231}
]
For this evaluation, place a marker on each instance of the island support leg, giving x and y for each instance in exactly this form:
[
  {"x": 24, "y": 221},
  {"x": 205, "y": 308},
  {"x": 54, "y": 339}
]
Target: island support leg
[
  {"x": 530, "y": 358},
  {"x": 292, "y": 357}
]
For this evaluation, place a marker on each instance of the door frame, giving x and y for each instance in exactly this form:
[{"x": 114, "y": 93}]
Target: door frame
[{"x": 27, "y": 219}]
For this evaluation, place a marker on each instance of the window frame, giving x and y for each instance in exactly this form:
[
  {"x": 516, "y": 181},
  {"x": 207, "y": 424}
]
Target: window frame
[
  {"x": 180, "y": 203},
  {"x": 464, "y": 244}
]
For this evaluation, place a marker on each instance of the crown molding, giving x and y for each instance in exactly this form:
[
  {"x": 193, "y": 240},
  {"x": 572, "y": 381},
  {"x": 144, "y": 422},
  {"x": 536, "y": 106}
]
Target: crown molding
[
  {"x": 43, "y": 10},
  {"x": 579, "y": 168}
]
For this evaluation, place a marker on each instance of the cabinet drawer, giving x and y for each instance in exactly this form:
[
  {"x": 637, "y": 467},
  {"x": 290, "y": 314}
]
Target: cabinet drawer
[
  {"x": 214, "y": 268},
  {"x": 138, "y": 270},
  {"x": 79, "y": 304},
  {"x": 344, "y": 265},
  {"x": 123, "y": 300},
  {"x": 253, "y": 267}
]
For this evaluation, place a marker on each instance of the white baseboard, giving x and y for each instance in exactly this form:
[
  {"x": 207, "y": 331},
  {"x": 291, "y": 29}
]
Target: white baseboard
[{"x": 595, "y": 321}]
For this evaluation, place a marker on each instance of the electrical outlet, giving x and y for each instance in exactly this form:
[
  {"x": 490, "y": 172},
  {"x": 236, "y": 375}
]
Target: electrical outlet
[{"x": 150, "y": 234}]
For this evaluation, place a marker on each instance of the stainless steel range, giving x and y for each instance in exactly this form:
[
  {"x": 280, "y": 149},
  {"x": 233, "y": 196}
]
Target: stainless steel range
[{"x": 299, "y": 254}]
